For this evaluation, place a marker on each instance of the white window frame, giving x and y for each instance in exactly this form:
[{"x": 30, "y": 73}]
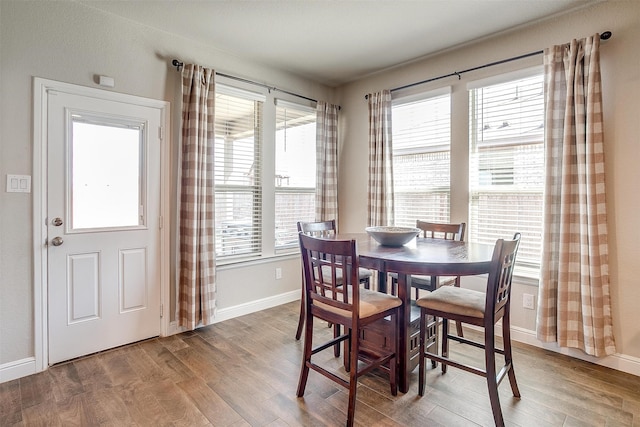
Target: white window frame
[
  {"x": 403, "y": 100},
  {"x": 292, "y": 246},
  {"x": 255, "y": 229},
  {"x": 526, "y": 266},
  {"x": 267, "y": 168}
]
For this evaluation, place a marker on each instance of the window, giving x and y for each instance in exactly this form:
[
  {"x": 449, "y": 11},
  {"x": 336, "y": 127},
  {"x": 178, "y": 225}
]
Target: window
[
  {"x": 506, "y": 176},
  {"x": 264, "y": 171},
  {"x": 421, "y": 148},
  {"x": 295, "y": 179},
  {"x": 237, "y": 174}
]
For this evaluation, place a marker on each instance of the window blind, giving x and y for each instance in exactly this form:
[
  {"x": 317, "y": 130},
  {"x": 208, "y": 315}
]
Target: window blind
[
  {"x": 295, "y": 179},
  {"x": 506, "y": 176},
  {"x": 421, "y": 141},
  {"x": 238, "y": 190}
]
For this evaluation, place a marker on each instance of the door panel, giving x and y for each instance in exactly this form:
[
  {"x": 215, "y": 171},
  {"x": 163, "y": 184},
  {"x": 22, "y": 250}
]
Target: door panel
[
  {"x": 83, "y": 287},
  {"x": 133, "y": 281},
  {"x": 103, "y": 200}
]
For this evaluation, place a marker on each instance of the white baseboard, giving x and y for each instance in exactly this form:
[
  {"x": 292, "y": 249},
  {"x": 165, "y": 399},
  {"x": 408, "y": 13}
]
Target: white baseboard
[
  {"x": 258, "y": 305},
  {"x": 242, "y": 309},
  {"x": 17, "y": 369},
  {"x": 619, "y": 362}
]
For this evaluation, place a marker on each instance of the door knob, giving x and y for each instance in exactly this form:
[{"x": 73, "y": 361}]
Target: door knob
[
  {"x": 57, "y": 222},
  {"x": 57, "y": 241}
]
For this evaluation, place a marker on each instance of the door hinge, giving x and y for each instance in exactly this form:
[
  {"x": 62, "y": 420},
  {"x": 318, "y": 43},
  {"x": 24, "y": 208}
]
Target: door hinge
[
  {"x": 161, "y": 132},
  {"x": 161, "y": 222},
  {"x": 161, "y": 310}
]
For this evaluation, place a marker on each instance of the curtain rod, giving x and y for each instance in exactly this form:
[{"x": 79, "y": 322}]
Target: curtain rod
[
  {"x": 604, "y": 36},
  {"x": 176, "y": 63}
]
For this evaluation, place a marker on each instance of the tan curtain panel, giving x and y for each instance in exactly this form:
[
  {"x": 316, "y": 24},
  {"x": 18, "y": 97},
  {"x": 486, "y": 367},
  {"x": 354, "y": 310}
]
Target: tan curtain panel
[
  {"x": 380, "y": 185},
  {"x": 574, "y": 307},
  {"x": 326, "y": 161},
  {"x": 196, "y": 288}
]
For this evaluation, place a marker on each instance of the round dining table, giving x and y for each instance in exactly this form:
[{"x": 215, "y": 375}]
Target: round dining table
[{"x": 421, "y": 256}]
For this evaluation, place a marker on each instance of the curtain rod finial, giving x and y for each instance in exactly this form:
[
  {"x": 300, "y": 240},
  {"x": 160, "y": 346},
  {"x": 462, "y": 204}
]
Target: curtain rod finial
[
  {"x": 606, "y": 35},
  {"x": 177, "y": 63}
]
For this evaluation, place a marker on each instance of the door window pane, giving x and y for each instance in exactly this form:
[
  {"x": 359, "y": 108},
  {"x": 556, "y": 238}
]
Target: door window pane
[{"x": 106, "y": 167}]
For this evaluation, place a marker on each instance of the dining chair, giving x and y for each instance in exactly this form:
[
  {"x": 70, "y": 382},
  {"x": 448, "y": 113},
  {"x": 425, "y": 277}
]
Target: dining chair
[
  {"x": 483, "y": 309},
  {"x": 323, "y": 229},
  {"x": 344, "y": 303},
  {"x": 434, "y": 230}
]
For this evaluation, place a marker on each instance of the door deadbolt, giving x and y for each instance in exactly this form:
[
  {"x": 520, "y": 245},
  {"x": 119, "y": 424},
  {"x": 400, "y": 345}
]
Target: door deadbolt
[
  {"x": 57, "y": 222},
  {"x": 57, "y": 241}
]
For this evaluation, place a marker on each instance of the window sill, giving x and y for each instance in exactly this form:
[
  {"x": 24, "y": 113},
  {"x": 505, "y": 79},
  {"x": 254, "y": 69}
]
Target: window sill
[
  {"x": 247, "y": 262},
  {"x": 526, "y": 276}
]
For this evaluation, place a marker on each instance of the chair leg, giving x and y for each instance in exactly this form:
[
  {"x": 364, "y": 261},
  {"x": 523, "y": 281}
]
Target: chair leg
[
  {"x": 508, "y": 355},
  {"x": 421, "y": 352},
  {"x": 459, "y": 329},
  {"x": 353, "y": 376},
  {"x": 445, "y": 342},
  {"x": 301, "y": 318},
  {"x": 393, "y": 362},
  {"x": 347, "y": 352},
  {"x": 492, "y": 383},
  {"x": 436, "y": 343},
  {"x": 336, "y": 334},
  {"x": 306, "y": 356},
  {"x": 458, "y": 324}
]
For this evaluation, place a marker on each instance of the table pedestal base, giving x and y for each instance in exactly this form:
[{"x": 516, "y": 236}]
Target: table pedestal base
[{"x": 380, "y": 334}]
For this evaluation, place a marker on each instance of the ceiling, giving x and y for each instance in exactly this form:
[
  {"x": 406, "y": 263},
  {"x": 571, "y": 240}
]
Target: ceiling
[{"x": 334, "y": 41}]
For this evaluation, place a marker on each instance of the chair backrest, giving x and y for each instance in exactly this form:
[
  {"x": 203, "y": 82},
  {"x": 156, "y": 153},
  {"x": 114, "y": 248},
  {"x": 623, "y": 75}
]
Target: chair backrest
[
  {"x": 500, "y": 276},
  {"x": 323, "y": 262},
  {"x": 436, "y": 230},
  {"x": 318, "y": 229}
]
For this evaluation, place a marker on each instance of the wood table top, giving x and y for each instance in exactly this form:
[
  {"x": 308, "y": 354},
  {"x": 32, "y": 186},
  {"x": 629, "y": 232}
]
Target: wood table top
[{"x": 424, "y": 256}]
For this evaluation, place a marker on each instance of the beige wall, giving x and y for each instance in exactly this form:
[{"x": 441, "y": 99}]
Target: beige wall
[
  {"x": 621, "y": 88},
  {"x": 71, "y": 43}
]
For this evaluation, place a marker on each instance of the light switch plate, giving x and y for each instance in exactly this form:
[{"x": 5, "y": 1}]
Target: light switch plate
[{"x": 18, "y": 184}]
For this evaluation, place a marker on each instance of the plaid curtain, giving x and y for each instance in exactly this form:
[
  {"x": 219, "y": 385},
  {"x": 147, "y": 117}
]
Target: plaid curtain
[
  {"x": 196, "y": 288},
  {"x": 326, "y": 162},
  {"x": 574, "y": 306},
  {"x": 380, "y": 186}
]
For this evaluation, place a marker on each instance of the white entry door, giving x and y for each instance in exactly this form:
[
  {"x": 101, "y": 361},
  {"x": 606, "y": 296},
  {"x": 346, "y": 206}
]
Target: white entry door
[{"x": 103, "y": 223}]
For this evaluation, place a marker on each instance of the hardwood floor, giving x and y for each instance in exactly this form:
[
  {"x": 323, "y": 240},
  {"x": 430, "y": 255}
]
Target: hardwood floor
[{"x": 244, "y": 372}]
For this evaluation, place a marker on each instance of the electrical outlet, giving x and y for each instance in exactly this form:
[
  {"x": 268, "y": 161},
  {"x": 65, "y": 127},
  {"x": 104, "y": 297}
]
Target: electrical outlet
[
  {"x": 528, "y": 301},
  {"x": 278, "y": 273}
]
